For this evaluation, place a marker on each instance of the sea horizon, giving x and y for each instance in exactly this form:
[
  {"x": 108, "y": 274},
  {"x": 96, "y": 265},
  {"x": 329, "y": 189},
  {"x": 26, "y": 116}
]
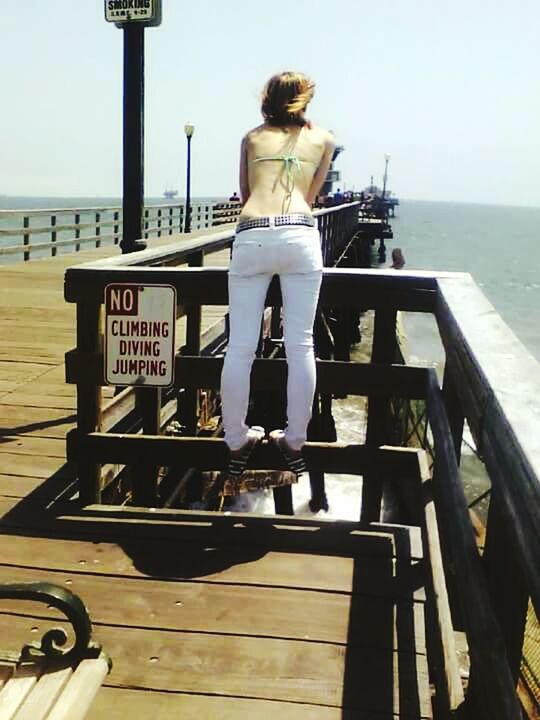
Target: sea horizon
[{"x": 200, "y": 198}]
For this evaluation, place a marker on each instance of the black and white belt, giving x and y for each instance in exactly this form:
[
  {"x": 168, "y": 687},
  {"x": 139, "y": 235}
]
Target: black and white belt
[{"x": 276, "y": 221}]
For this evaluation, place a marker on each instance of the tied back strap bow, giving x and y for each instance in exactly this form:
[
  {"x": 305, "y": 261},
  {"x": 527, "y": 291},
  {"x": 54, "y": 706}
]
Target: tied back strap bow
[{"x": 290, "y": 162}]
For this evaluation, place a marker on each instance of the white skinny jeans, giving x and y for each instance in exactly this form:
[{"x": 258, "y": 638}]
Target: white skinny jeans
[{"x": 294, "y": 253}]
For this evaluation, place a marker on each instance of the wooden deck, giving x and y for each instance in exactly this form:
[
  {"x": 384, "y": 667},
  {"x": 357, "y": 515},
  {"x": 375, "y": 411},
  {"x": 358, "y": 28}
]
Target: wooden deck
[
  {"x": 37, "y": 407},
  {"x": 311, "y": 620}
]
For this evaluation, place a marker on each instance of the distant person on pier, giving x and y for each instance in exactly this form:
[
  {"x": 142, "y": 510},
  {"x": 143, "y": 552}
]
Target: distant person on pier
[
  {"x": 398, "y": 261},
  {"x": 338, "y": 197},
  {"x": 234, "y": 197},
  {"x": 283, "y": 165}
]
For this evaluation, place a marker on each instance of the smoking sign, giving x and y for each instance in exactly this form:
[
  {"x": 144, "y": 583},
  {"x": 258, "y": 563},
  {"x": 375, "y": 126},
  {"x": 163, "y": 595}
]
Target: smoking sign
[
  {"x": 126, "y": 11},
  {"x": 139, "y": 334}
]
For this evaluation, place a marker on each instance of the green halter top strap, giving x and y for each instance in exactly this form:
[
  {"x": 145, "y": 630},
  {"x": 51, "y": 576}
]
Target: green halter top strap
[{"x": 291, "y": 163}]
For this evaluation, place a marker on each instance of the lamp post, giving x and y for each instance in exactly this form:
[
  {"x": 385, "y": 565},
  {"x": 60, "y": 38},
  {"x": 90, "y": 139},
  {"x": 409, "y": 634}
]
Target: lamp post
[
  {"x": 386, "y": 159},
  {"x": 189, "y": 129}
]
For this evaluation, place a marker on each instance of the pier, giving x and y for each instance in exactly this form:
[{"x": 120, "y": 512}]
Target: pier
[{"x": 207, "y": 614}]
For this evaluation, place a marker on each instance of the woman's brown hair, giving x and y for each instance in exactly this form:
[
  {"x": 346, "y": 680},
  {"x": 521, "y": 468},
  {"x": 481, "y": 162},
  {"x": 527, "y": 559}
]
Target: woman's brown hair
[{"x": 285, "y": 97}]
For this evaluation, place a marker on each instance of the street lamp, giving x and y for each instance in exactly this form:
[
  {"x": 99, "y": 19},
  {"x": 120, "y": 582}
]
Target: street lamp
[
  {"x": 386, "y": 159},
  {"x": 189, "y": 129}
]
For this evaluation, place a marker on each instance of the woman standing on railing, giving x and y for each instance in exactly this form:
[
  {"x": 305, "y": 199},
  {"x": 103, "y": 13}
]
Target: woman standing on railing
[{"x": 283, "y": 164}]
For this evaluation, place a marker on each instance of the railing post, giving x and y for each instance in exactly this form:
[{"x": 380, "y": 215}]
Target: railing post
[
  {"x": 116, "y": 237},
  {"x": 98, "y": 230},
  {"x": 53, "y": 236},
  {"x": 506, "y": 586},
  {"x": 454, "y": 412},
  {"x": 456, "y": 422},
  {"x": 146, "y": 219},
  {"x": 26, "y": 236},
  {"x": 88, "y": 399},
  {"x": 144, "y": 474},
  {"x": 189, "y": 410},
  {"x": 77, "y": 232},
  {"x": 383, "y": 351}
]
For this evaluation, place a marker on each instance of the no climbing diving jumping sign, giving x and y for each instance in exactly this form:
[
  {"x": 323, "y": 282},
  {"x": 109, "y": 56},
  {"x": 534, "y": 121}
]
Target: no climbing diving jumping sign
[{"x": 139, "y": 334}]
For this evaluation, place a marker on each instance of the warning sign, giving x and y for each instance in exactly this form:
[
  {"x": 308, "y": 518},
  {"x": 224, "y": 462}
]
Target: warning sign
[
  {"x": 139, "y": 334},
  {"x": 121, "y": 11}
]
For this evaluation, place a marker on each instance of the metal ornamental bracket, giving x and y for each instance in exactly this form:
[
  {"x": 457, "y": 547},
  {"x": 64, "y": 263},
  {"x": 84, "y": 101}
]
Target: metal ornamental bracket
[{"x": 50, "y": 646}]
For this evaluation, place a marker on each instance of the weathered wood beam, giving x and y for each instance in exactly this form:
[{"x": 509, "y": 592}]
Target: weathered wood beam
[
  {"x": 506, "y": 584},
  {"x": 89, "y": 397},
  {"x": 208, "y": 286},
  {"x": 491, "y": 679},
  {"x": 498, "y": 389},
  {"x": 383, "y": 352},
  {"x": 188, "y": 402},
  {"x": 440, "y": 616},
  {"x": 144, "y": 472},
  {"x": 213, "y": 454},
  {"x": 107, "y": 522},
  {"x": 176, "y": 253},
  {"x": 332, "y": 376}
]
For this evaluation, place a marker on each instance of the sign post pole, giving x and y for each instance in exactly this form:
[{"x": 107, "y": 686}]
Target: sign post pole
[
  {"x": 132, "y": 16},
  {"x": 133, "y": 139}
]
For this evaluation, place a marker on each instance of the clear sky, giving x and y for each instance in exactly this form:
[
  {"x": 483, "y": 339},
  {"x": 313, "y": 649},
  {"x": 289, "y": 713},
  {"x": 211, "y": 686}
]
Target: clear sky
[{"x": 449, "y": 89}]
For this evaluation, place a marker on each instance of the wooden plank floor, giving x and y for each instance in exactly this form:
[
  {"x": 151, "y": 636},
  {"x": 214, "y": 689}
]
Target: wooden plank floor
[
  {"x": 195, "y": 628},
  {"x": 237, "y": 630}
]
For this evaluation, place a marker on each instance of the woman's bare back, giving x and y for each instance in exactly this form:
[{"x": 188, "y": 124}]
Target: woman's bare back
[{"x": 283, "y": 168}]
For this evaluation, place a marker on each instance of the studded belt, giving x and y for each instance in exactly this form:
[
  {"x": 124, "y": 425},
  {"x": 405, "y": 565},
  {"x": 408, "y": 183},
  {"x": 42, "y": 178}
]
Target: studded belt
[{"x": 276, "y": 221}]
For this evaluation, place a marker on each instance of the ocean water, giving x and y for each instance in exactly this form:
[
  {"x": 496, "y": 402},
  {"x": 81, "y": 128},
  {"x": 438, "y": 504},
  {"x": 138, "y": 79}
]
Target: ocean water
[{"x": 498, "y": 245}]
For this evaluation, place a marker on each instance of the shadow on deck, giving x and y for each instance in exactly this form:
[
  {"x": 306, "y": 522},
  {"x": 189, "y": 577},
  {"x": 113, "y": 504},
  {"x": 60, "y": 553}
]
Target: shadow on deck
[{"x": 211, "y": 615}]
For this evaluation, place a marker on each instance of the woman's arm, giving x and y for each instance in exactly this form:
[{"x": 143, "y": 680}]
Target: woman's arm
[
  {"x": 244, "y": 183},
  {"x": 322, "y": 170}
]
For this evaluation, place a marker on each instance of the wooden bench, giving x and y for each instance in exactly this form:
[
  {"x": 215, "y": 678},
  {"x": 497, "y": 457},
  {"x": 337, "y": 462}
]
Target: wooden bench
[{"x": 45, "y": 681}]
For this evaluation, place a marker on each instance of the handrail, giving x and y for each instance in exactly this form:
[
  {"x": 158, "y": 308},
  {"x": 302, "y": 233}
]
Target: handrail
[
  {"x": 178, "y": 252},
  {"x": 96, "y": 208},
  {"x": 85, "y": 225},
  {"x": 491, "y": 674},
  {"x": 500, "y": 403}
]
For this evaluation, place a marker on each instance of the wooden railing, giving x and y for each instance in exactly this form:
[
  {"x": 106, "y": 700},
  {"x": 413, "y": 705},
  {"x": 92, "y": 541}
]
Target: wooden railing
[
  {"x": 337, "y": 227},
  {"x": 40, "y": 233},
  {"x": 489, "y": 379},
  {"x": 492, "y": 382}
]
